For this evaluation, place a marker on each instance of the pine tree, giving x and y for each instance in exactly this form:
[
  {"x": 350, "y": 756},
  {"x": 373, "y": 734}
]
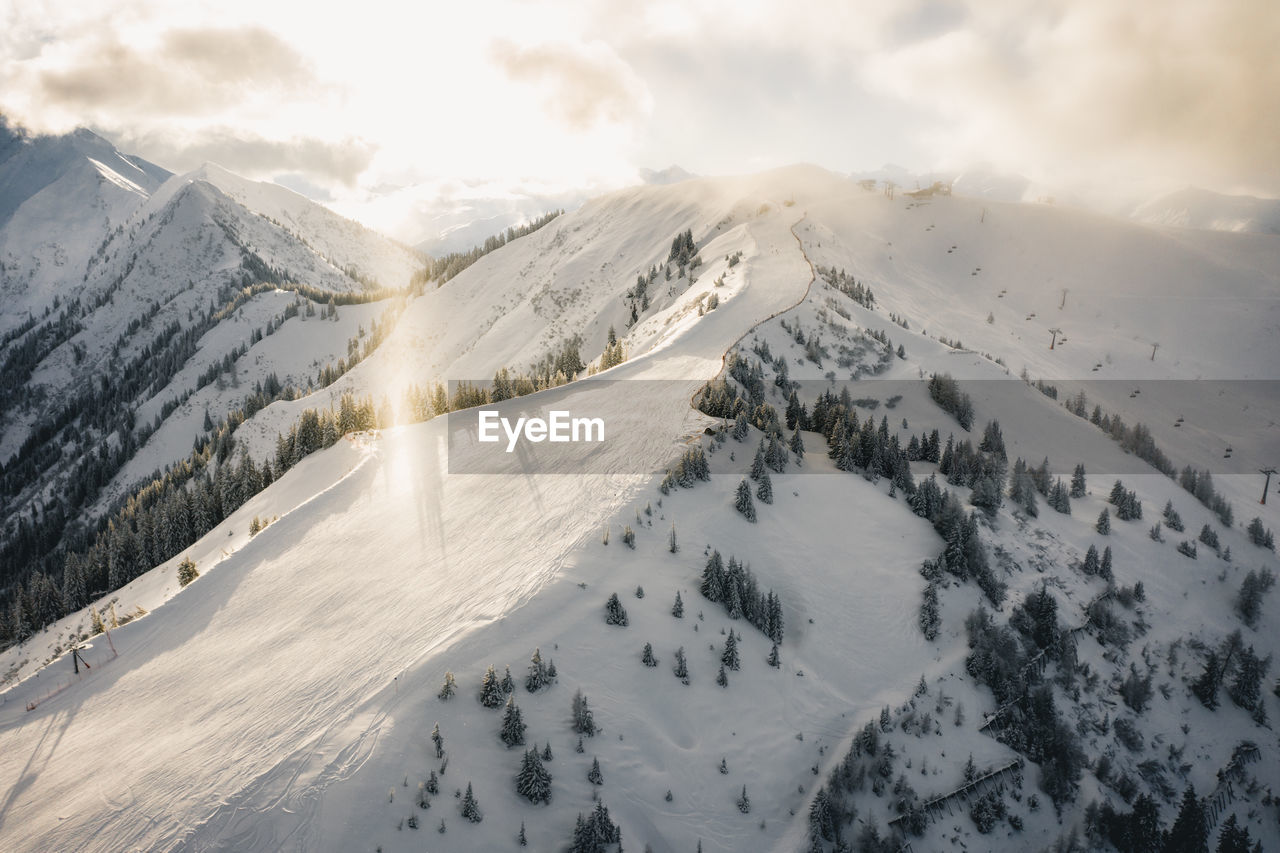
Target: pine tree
[
  {"x": 1259, "y": 535},
  {"x": 1206, "y": 686},
  {"x": 1104, "y": 522},
  {"x": 537, "y": 677},
  {"x": 470, "y": 808},
  {"x": 1091, "y": 561},
  {"x": 513, "y": 726},
  {"x": 765, "y": 490},
  {"x": 712, "y": 585},
  {"x": 775, "y": 457},
  {"x": 533, "y": 782},
  {"x": 508, "y": 685},
  {"x": 1104, "y": 568},
  {"x": 681, "y": 668},
  {"x": 546, "y": 752},
  {"x": 491, "y": 695},
  {"x": 744, "y": 802},
  {"x": 615, "y": 613},
  {"x": 583, "y": 721},
  {"x": 757, "y": 464},
  {"x": 743, "y": 502},
  {"x": 1252, "y": 589},
  {"x": 1189, "y": 833},
  {"x": 594, "y": 776},
  {"x": 521, "y": 839},
  {"x": 797, "y": 446},
  {"x": 596, "y": 833},
  {"x": 930, "y": 615},
  {"x": 774, "y": 661},
  {"x": 438, "y": 740},
  {"x": 733, "y": 601},
  {"x": 722, "y": 678},
  {"x": 677, "y": 609},
  {"x": 1027, "y": 494},
  {"x": 821, "y": 817},
  {"x": 1059, "y": 498},
  {"x": 773, "y": 618},
  {"x": 672, "y": 545},
  {"x": 646, "y": 657},
  {"x": 187, "y": 572},
  {"x": 729, "y": 657},
  {"x": 1078, "y": 486},
  {"x": 1233, "y": 838},
  {"x": 1246, "y": 688}
]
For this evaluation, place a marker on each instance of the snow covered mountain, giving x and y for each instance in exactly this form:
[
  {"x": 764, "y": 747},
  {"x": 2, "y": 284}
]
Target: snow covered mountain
[
  {"x": 128, "y": 328},
  {"x": 944, "y": 673},
  {"x": 1203, "y": 209},
  {"x": 673, "y": 174},
  {"x": 60, "y": 197}
]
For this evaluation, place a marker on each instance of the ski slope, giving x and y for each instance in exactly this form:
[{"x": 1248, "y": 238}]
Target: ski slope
[{"x": 309, "y": 609}]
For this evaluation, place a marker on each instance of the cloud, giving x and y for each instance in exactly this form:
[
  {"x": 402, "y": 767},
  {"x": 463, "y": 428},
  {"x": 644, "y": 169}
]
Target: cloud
[
  {"x": 585, "y": 85},
  {"x": 186, "y": 72},
  {"x": 184, "y": 95},
  {"x": 251, "y": 155},
  {"x": 1063, "y": 91},
  {"x": 1184, "y": 91}
]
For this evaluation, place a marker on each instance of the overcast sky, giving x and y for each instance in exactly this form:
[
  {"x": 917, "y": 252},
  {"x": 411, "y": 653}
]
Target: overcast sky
[{"x": 376, "y": 105}]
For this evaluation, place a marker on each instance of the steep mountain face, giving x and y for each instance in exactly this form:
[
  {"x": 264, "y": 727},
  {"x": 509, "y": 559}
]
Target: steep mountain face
[
  {"x": 123, "y": 297},
  {"x": 364, "y": 255},
  {"x": 60, "y": 197},
  {"x": 285, "y": 699}
]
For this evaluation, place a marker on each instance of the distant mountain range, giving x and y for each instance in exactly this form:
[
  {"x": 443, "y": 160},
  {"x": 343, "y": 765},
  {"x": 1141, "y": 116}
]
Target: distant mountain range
[{"x": 1210, "y": 211}]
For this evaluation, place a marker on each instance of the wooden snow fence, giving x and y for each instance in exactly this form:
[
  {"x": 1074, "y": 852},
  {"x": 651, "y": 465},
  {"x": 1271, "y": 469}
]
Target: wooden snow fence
[
  {"x": 993, "y": 779},
  {"x": 1224, "y": 794},
  {"x": 1036, "y": 666}
]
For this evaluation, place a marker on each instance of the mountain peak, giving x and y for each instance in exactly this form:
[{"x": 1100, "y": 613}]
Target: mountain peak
[{"x": 673, "y": 174}]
